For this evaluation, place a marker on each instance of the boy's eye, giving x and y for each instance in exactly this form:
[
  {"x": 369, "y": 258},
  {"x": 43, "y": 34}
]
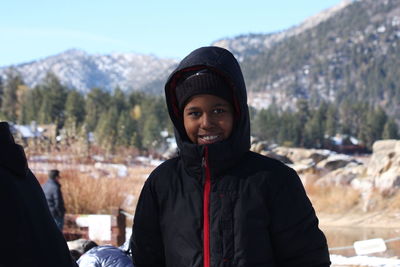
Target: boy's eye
[
  {"x": 194, "y": 114},
  {"x": 218, "y": 110}
]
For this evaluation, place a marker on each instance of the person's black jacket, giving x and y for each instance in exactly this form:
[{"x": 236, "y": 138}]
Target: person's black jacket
[
  {"x": 55, "y": 200},
  {"x": 220, "y": 204},
  {"x": 29, "y": 235}
]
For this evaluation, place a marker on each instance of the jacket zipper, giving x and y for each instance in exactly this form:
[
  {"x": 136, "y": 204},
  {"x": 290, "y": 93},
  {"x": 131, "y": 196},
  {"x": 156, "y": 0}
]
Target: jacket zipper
[{"x": 206, "y": 210}]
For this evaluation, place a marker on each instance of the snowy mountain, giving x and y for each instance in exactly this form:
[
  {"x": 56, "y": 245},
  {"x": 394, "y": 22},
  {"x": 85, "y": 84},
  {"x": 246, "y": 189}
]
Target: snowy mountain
[
  {"x": 252, "y": 44},
  {"x": 349, "y": 52},
  {"x": 77, "y": 69}
]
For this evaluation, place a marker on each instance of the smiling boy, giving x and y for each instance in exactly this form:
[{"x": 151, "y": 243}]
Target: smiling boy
[{"x": 217, "y": 203}]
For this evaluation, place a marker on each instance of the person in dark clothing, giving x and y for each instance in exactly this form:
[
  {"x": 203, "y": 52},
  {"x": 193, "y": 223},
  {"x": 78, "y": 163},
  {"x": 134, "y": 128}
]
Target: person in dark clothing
[
  {"x": 217, "y": 203},
  {"x": 29, "y": 235},
  {"x": 54, "y": 197}
]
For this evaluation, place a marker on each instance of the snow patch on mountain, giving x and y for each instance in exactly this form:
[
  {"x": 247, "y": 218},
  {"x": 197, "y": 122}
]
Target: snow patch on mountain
[{"x": 80, "y": 70}]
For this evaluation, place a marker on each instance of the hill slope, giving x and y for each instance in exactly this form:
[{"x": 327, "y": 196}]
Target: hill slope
[
  {"x": 82, "y": 71},
  {"x": 352, "y": 54},
  {"x": 349, "y": 52}
]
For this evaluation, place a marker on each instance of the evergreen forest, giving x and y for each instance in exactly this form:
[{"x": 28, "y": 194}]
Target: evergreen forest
[{"x": 135, "y": 119}]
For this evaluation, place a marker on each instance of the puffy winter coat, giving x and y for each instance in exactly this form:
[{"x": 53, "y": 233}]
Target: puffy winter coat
[
  {"x": 105, "y": 256},
  {"x": 29, "y": 235},
  {"x": 55, "y": 200},
  {"x": 220, "y": 204}
]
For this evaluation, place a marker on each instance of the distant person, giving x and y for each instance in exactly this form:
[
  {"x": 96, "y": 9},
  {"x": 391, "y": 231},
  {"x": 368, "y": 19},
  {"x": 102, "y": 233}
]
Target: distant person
[
  {"x": 54, "y": 197},
  {"x": 29, "y": 235},
  {"x": 217, "y": 203}
]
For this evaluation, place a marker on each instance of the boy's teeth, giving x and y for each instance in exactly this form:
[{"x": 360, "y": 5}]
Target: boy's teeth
[{"x": 210, "y": 137}]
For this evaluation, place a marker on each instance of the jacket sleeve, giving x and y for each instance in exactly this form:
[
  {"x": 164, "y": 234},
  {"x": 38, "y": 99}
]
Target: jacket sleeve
[
  {"x": 146, "y": 241},
  {"x": 297, "y": 240}
]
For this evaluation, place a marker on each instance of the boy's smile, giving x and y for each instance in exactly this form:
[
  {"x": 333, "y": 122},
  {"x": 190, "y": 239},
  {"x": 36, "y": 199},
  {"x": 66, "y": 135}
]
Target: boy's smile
[{"x": 208, "y": 119}]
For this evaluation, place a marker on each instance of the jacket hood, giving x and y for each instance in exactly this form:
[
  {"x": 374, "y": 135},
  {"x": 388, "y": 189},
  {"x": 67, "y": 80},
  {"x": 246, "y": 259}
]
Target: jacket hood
[
  {"x": 12, "y": 156},
  {"x": 225, "y": 154}
]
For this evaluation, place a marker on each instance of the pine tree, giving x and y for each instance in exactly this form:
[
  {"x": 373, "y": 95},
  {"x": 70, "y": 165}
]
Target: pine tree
[
  {"x": 126, "y": 129},
  {"x": 303, "y": 115},
  {"x": 9, "y": 102},
  {"x": 374, "y": 125},
  {"x": 390, "y": 130},
  {"x": 44, "y": 115},
  {"x": 97, "y": 100},
  {"x": 31, "y": 105},
  {"x": 54, "y": 98},
  {"x": 315, "y": 128},
  {"x": 75, "y": 107},
  {"x": 118, "y": 100},
  {"x": 267, "y": 124},
  {"x": 151, "y": 131},
  {"x": 332, "y": 122},
  {"x": 106, "y": 130}
]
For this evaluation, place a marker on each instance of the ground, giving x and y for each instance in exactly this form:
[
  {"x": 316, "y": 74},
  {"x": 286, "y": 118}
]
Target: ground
[{"x": 374, "y": 219}]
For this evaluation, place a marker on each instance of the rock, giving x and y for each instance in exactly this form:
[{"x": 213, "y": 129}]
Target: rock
[
  {"x": 258, "y": 147},
  {"x": 335, "y": 161},
  {"x": 384, "y": 165},
  {"x": 342, "y": 176},
  {"x": 299, "y": 154},
  {"x": 303, "y": 168},
  {"x": 364, "y": 184},
  {"x": 276, "y": 156},
  {"x": 388, "y": 180},
  {"x": 384, "y": 153}
]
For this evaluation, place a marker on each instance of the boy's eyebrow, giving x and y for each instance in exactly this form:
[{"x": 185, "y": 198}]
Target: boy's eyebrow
[
  {"x": 191, "y": 108},
  {"x": 216, "y": 105}
]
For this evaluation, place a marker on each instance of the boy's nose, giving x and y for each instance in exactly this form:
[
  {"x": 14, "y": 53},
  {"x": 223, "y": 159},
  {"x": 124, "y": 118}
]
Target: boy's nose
[{"x": 206, "y": 121}]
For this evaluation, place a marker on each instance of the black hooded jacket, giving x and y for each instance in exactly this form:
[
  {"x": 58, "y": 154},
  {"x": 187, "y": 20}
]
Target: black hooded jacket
[
  {"x": 220, "y": 204},
  {"x": 29, "y": 235}
]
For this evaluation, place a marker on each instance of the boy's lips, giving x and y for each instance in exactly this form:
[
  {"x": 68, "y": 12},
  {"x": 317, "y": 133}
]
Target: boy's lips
[{"x": 209, "y": 138}]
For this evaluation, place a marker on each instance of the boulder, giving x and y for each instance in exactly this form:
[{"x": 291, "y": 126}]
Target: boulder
[
  {"x": 336, "y": 161},
  {"x": 388, "y": 180},
  {"x": 273, "y": 155},
  {"x": 384, "y": 154},
  {"x": 258, "y": 147},
  {"x": 299, "y": 154},
  {"x": 384, "y": 165},
  {"x": 342, "y": 176}
]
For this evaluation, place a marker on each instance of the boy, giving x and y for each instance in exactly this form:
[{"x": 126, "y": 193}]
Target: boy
[{"x": 217, "y": 203}]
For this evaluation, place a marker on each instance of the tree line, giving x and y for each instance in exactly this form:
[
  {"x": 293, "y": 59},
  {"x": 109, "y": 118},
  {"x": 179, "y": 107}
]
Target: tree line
[
  {"x": 312, "y": 127},
  {"x": 135, "y": 119},
  {"x": 115, "y": 118}
]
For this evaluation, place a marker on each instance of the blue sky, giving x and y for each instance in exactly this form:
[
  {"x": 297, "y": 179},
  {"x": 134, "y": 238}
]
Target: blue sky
[{"x": 31, "y": 30}]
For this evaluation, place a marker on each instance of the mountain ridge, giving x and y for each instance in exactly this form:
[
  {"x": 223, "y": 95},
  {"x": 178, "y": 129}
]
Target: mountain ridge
[
  {"x": 349, "y": 52},
  {"x": 77, "y": 69}
]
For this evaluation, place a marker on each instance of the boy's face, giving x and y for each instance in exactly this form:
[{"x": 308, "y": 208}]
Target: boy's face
[{"x": 208, "y": 119}]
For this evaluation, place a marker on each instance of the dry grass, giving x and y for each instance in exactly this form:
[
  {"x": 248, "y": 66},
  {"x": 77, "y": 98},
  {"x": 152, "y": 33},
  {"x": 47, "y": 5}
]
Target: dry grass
[
  {"x": 393, "y": 201},
  {"x": 333, "y": 199},
  {"x": 341, "y": 199},
  {"x": 84, "y": 194}
]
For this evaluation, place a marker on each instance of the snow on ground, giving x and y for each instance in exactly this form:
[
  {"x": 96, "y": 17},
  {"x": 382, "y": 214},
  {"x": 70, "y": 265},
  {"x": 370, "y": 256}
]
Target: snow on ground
[{"x": 338, "y": 260}]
